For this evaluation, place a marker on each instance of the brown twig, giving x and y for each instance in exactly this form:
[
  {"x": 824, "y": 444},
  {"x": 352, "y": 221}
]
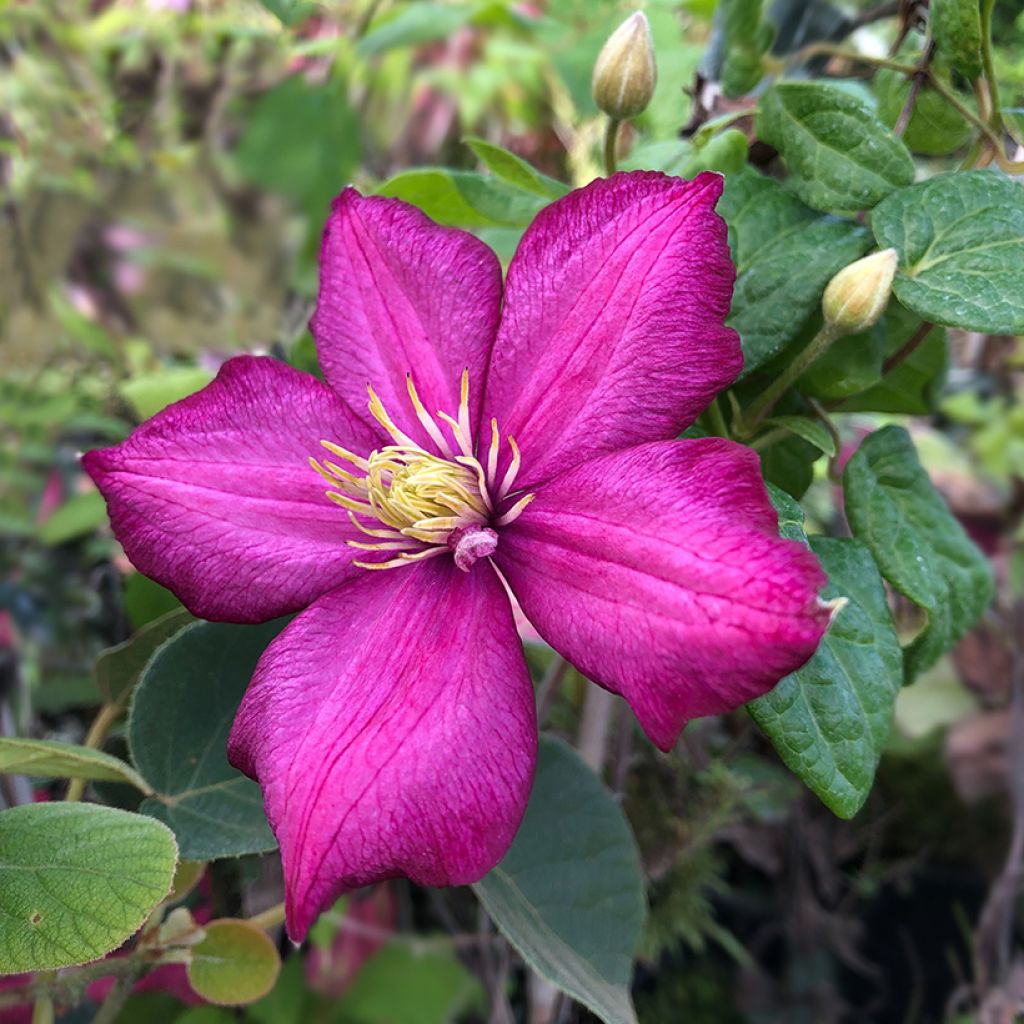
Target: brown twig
[
  {"x": 909, "y": 347},
  {"x": 917, "y": 81}
]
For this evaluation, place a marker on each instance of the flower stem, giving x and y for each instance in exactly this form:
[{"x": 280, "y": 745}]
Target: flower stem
[
  {"x": 101, "y": 726},
  {"x": 764, "y": 405},
  {"x": 717, "y": 418},
  {"x": 995, "y": 113},
  {"x": 611, "y": 141}
]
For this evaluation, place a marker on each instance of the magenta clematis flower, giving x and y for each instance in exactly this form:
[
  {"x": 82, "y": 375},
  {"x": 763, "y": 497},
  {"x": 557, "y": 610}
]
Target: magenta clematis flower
[{"x": 519, "y": 437}]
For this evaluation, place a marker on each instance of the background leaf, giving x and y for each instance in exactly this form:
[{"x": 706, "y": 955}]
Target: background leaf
[
  {"x": 76, "y": 880},
  {"x": 919, "y": 546},
  {"x": 840, "y": 157},
  {"x": 118, "y": 669},
  {"x": 569, "y": 894},
  {"x": 961, "y": 243},
  {"x": 177, "y": 733}
]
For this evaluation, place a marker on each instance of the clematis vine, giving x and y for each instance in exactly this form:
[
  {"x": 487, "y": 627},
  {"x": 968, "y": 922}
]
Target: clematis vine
[{"x": 472, "y": 439}]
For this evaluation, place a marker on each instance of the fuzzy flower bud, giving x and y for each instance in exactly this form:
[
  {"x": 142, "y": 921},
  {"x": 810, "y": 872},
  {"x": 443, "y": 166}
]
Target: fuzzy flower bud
[
  {"x": 857, "y": 296},
  {"x": 625, "y": 74}
]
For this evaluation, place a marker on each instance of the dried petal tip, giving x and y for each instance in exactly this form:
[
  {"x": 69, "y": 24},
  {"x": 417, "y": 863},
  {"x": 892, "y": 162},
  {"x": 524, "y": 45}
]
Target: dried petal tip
[
  {"x": 625, "y": 74},
  {"x": 857, "y": 296}
]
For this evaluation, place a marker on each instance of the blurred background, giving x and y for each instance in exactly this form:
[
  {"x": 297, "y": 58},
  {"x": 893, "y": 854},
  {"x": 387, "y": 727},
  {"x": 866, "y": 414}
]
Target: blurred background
[{"x": 166, "y": 167}]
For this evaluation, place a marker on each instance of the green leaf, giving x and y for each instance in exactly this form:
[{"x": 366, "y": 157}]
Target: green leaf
[
  {"x": 416, "y": 23},
  {"x": 961, "y": 243},
  {"x": 935, "y": 128},
  {"x": 177, "y": 733},
  {"x": 77, "y": 516},
  {"x": 405, "y": 984},
  {"x": 956, "y": 27},
  {"x": 812, "y": 431},
  {"x": 76, "y": 881},
  {"x": 830, "y": 720},
  {"x": 791, "y": 515},
  {"x": 301, "y": 141},
  {"x": 569, "y": 894},
  {"x": 785, "y": 254},
  {"x": 789, "y": 464},
  {"x": 50, "y": 759},
  {"x": 148, "y": 393},
  {"x": 117, "y": 669},
  {"x": 841, "y": 158},
  {"x": 919, "y": 546},
  {"x": 235, "y": 963},
  {"x": 464, "y": 198},
  {"x": 515, "y": 170}
]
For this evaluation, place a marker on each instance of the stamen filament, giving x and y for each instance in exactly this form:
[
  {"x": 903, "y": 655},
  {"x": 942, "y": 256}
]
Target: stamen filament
[
  {"x": 426, "y": 419},
  {"x": 513, "y": 469},
  {"x": 515, "y": 511}
]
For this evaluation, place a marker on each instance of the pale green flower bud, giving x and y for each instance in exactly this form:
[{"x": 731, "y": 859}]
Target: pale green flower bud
[
  {"x": 625, "y": 74},
  {"x": 857, "y": 296}
]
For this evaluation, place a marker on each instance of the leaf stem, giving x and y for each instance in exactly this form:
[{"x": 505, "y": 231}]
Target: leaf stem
[
  {"x": 269, "y": 918},
  {"x": 764, "y": 405},
  {"x": 101, "y": 726}
]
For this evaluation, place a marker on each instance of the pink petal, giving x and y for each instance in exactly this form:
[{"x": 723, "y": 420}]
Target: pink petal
[
  {"x": 392, "y": 729},
  {"x": 612, "y": 329},
  {"x": 400, "y": 295},
  {"x": 660, "y": 574},
  {"x": 215, "y": 498}
]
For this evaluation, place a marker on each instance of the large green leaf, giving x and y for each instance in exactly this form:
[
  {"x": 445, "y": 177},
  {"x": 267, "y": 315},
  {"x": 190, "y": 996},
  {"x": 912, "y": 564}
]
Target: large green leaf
[
  {"x": 464, "y": 198},
  {"x": 569, "y": 894},
  {"x": 118, "y": 669},
  {"x": 50, "y": 759},
  {"x": 830, "y": 719},
  {"x": 961, "y": 243},
  {"x": 76, "y": 880},
  {"x": 785, "y": 254},
  {"x": 921, "y": 549},
  {"x": 177, "y": 733},
  {"x": 841, "y": 158}
]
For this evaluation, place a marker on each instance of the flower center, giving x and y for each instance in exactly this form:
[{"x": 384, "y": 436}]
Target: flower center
[{"x": 420, "y": 504}]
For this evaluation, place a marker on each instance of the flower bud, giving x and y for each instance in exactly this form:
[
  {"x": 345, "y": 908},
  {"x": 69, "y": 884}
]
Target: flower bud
[
  {"x": 857, "y": 296},
  {"x": 624, "y": 74}
]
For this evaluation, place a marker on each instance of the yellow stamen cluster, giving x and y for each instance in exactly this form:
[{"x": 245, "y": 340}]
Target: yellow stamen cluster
[{"x": 418, "y": 498}]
